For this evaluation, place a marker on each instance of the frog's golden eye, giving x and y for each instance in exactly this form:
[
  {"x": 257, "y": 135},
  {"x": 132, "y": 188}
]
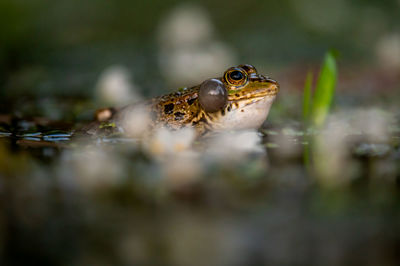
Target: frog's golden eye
[
  {"x": 236, "y": 76},
  {"x": 213, "y": 95}
]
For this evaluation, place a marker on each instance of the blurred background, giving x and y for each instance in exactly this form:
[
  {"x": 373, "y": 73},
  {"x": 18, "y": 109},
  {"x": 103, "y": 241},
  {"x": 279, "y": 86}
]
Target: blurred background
[
  {"x": 61, "y": 49},
  {"x": 103, "y": 203}
]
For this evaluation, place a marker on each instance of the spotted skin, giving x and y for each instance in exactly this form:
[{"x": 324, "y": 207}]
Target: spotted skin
[{"x": 182, "y": 108}]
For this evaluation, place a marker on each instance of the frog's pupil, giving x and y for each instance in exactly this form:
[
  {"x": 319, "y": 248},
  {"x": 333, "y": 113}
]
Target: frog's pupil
[{"x": 236, "y": 75}]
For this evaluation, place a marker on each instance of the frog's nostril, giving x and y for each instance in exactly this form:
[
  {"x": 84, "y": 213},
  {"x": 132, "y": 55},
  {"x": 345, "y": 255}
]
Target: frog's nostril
[
  {"x": 266, "y": 79},
  {"x": 275, "y": 86}
]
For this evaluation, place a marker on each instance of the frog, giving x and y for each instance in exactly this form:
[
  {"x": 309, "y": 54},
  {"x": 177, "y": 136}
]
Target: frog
[{"x": 240, "y": 99}]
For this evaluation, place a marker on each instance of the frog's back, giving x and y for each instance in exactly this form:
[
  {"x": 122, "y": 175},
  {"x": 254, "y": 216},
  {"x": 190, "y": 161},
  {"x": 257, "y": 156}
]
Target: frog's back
[{"x": 176, "y": 109}]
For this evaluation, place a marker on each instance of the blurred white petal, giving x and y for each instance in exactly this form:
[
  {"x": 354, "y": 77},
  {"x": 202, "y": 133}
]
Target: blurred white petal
[
  {"x": 189, "y": 52},
  {"x": 136, "y": 121},
  {"x": 388, "y": 52},
  {"x": 234, "y": 145},
  {"x": 115, "y": 86},
  {"x": 166, "y": 142}
]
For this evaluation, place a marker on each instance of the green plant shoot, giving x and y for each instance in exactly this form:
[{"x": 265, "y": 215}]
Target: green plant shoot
[{"x": 324, "y": 91}]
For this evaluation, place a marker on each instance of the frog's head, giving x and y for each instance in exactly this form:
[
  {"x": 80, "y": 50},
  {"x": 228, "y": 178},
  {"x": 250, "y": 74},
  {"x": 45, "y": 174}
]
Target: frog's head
[{"x": 240, "y": 99}]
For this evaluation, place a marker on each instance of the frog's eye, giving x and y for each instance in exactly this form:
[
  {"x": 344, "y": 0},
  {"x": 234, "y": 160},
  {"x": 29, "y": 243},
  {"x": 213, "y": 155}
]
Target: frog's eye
[
  {"x": 213, "y": 95},
  {"x": 236, "y": 76}
]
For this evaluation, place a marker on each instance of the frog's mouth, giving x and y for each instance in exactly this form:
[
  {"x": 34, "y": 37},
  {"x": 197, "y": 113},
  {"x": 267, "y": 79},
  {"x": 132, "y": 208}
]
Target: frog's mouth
[{"x": 257, "y": 89}]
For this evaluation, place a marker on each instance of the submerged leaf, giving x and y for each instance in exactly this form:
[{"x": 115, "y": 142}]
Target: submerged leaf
[{"x": 307, "y": 96}]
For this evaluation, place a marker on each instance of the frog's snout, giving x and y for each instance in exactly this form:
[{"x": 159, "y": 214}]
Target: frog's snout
[
  {"x": 266, "y": 79},
  {"x": 272, "y": 85}
]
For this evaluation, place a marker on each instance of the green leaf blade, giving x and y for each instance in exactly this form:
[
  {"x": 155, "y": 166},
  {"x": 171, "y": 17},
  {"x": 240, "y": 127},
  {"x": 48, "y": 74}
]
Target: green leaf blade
[{"x": 324, "y": 91}]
